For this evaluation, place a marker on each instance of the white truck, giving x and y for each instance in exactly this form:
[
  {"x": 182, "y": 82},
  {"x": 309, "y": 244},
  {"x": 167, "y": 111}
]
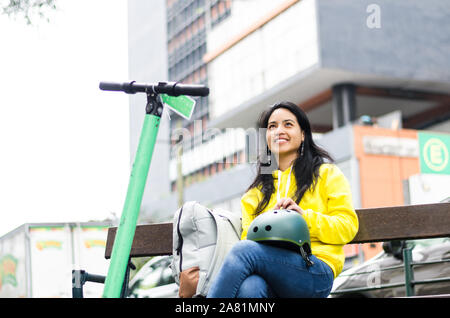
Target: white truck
[{"x": 37, "y": 259}]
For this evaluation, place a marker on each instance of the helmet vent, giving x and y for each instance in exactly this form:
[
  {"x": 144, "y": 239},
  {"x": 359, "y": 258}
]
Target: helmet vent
[{"x": 268, "y": 227}]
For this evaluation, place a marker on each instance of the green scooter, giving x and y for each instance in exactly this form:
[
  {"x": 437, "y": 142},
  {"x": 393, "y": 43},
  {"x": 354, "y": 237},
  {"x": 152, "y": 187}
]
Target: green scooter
[{"x": 172, "y": 94}]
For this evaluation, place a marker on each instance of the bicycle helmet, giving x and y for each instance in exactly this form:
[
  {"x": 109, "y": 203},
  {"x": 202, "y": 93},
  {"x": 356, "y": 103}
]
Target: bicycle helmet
[{"x": 282, "y": 228}]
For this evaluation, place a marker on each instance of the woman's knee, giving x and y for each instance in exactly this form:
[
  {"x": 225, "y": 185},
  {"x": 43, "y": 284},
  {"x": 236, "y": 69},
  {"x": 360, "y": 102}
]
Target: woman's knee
[
  {"x": 243, "y": 246},
  {"x": 254, "y": 286},
  {"x": 240, "y": 255}
]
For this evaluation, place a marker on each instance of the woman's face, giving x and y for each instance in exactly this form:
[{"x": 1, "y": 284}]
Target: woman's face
[{"x": 284, "y": 134}]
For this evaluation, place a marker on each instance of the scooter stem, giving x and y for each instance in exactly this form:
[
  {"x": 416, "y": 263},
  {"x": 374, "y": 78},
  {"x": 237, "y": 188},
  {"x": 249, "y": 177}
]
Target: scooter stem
[{"x": 125, "y": 233}]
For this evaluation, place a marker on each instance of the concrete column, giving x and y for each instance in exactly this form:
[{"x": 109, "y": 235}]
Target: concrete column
[{"x": 344, "y": 104}]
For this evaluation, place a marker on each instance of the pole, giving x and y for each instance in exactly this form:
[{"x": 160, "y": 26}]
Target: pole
[
  {"x": 409, "y": 274},
  {"x": 120, "y": 254},
  {"x": 180, "y": 182}
]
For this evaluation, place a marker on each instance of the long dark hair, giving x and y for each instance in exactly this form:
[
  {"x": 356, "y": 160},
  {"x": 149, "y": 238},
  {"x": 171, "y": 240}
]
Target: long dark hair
[{"x": 305, "y": 167}]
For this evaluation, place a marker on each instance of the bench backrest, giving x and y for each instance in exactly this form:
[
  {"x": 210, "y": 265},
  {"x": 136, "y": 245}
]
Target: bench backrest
[{"x": 375, "y": 225}]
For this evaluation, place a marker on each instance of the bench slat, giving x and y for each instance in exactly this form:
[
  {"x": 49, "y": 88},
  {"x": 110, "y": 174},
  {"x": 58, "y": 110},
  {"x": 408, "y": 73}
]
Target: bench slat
[
  {"x": 403, "y": 222},
  {"x": 375, "y": 225},
  {"x": 149, "y": 240}
]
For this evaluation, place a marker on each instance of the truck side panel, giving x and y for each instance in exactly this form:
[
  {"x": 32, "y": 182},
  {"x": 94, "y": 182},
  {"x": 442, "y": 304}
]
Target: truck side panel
[{"x": 13, "y": 268}]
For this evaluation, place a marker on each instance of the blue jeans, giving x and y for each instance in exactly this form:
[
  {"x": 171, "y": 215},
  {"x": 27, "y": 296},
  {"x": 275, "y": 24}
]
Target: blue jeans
[{"x": 254, "y": 270}]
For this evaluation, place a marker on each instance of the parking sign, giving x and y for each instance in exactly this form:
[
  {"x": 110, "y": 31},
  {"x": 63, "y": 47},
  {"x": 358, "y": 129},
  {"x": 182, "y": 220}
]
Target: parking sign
[{"x": 434, "y": 152}]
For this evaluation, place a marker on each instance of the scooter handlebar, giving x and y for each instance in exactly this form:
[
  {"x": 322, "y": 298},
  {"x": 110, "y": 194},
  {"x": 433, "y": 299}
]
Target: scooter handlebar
[{"x": 169, "y": 88}]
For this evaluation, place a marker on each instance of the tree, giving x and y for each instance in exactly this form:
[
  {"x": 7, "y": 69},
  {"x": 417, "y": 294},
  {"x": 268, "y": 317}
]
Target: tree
[{"x": 29, "y": 10}]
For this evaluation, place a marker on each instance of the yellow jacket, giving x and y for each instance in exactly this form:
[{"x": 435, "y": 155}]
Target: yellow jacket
[{"x": 329, "y": 212}]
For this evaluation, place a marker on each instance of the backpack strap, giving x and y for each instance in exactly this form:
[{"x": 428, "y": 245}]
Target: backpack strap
[
  {"x": 233, "y": 218},
  {"x": 178, "y": 240},
  {"x": 228, "y": 233}
]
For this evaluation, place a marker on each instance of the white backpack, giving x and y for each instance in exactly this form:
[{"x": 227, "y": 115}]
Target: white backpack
[{"x": 201, "y": 239}]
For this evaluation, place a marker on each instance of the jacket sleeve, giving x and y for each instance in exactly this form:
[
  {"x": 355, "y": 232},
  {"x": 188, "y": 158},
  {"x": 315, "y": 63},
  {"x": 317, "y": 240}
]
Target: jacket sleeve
[
  {"x": 249, "y": 202},
  {"x": 339, "y": 223}
]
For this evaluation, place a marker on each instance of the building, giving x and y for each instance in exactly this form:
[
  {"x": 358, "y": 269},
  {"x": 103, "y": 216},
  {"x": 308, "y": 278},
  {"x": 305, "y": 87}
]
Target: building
[
  {"x": 167, "y": 41},
  {"x": 361, "y": 70}
]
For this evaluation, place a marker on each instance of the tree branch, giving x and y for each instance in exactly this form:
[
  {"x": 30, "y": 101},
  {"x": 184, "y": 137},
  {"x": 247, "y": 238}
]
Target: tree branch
[{"x": 29, "y": 10}]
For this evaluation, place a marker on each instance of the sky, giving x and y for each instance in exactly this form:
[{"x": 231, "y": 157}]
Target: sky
[{"x": 64, "y": 143}]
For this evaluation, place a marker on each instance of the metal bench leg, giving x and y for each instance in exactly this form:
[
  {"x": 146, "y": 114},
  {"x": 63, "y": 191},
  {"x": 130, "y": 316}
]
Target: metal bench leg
[
  {"x": 78, "y": 280},
  {"x": 409, "y": 274},
  {"x": 80, "y": 277},
  {"x": 124, "y": 291}
]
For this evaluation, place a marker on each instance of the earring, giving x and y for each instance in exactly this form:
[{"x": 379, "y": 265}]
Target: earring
[{"x": 302, "y": 147}]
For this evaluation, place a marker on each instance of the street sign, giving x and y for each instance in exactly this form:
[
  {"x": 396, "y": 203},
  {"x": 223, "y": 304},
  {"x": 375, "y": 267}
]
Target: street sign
[{"x": 434, "y": 152}]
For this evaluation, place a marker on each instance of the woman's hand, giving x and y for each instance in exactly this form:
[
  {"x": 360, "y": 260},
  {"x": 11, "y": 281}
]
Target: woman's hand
[{"x": 288, "y": 204}]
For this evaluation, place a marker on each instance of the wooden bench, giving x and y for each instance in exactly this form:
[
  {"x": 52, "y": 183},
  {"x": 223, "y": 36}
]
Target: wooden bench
[{"x": 375, "y": 225}]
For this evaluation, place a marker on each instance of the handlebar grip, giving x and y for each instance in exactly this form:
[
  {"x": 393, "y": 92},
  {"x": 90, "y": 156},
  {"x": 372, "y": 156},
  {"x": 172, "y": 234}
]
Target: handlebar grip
[
  {"x": 191, "y": 90},
  {"x": 111, "y": 86}
]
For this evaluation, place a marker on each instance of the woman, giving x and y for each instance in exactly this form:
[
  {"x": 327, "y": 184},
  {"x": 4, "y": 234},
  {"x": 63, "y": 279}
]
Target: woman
[{"x": 315, "y": 189}]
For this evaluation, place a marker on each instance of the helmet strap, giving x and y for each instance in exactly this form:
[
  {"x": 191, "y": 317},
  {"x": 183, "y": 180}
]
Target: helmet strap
[{"x": 305, "y": 256}]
